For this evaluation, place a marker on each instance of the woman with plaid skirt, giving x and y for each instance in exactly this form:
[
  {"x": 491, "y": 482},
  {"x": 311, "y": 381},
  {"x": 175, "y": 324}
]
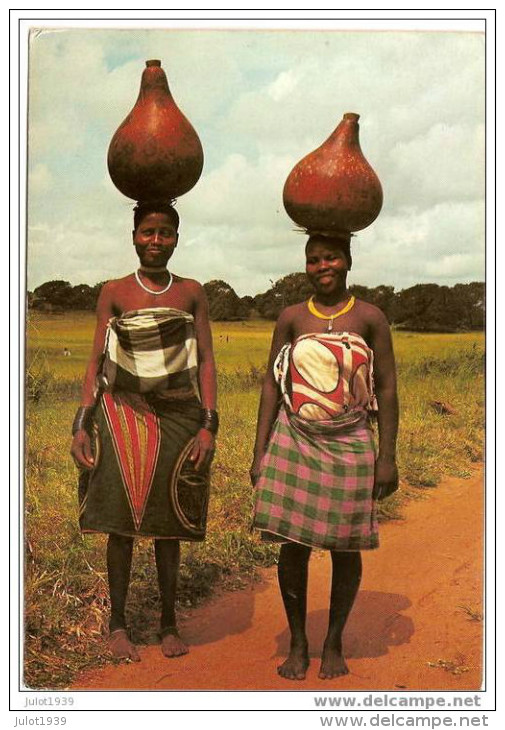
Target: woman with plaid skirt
[{"x": 316, "y": 470}]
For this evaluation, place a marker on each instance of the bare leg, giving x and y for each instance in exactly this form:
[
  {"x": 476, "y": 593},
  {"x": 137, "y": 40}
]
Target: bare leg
[
  {"x": 346, "y": 577},
  {"x": 293, "y": 574},
  {"x": 119, "y": 560},
  {"x": 167, "y": 554}
]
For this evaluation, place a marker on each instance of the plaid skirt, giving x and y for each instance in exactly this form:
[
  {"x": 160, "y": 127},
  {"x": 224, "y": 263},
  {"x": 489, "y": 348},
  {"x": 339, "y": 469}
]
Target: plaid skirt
[{"x": 316, "y": 488}]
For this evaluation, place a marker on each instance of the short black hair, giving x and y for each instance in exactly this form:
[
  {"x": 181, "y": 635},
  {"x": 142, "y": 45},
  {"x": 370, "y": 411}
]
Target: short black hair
[
  {"x": 338, "y": 239},
  {"x": 144, "y": 207}
]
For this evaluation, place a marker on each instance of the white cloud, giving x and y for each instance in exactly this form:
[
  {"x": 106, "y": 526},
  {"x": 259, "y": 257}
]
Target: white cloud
[
  {"x": 445, "y": 163},
  {"x": 457, "y": 267},
  {"x": 284, "y": 84},
  {"x": 443, "y": 244},
  {"x": 239, "y": 192},
  {"x": 260, "y": 101}
]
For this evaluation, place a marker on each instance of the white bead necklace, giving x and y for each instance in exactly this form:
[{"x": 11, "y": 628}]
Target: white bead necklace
[{"x": 150, "y": 291}]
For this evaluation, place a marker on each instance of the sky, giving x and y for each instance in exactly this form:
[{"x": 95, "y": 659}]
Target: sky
[{"x": 260, "y": 100}]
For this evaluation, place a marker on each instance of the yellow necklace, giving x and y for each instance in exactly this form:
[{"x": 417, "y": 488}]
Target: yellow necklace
[{"x": 330, "y": 317}]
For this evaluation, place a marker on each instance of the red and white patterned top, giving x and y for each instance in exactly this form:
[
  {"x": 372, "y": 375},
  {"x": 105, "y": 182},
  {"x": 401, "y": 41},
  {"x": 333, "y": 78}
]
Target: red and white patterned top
[{"x": 324, "y": 376}]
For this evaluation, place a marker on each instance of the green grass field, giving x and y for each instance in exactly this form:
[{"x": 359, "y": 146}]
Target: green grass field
[{"x": 66, "y": 601}]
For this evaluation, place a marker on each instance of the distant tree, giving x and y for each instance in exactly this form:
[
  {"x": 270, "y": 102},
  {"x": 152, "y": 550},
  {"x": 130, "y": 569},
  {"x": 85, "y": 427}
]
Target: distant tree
[
  {"x": 224, "y": 304},
  {"x": 422, "y": 307},
  {"x": 57, "y": 293},
  {"x": 83, "y": 297},
  {"x": 382, "y": 296},
  {"x": 434, "y": 308},
  {"x": 291, "y": 289},
  {"x": 413, "y": 304},
  {"x": 246, "y": 306},
  {"x": 473, "y": 298}
]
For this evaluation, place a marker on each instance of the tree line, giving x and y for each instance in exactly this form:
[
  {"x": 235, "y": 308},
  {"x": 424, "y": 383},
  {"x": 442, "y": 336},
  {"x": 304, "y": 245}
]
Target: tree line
[{"x": 420, "y": 308}]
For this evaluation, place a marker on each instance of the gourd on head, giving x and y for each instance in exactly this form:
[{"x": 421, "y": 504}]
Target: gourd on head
[
  {"x": 334, "y": 188},
  {"x": 155, "y": 153}
]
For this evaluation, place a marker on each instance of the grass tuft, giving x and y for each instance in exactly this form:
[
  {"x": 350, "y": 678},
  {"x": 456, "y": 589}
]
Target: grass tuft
[
  {"x": 454, "y": 666},
  {"x": 473, "y": 614}
]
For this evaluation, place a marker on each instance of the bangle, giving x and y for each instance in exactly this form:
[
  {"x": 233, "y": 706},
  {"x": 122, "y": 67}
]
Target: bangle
[
  {"x": 209, "y": 420},
  {"x": 82, "y": 419}
]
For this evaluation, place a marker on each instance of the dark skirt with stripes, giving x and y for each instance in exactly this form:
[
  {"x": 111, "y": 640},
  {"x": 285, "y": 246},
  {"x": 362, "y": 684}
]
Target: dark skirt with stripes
[{"x": 143, "y": 482}]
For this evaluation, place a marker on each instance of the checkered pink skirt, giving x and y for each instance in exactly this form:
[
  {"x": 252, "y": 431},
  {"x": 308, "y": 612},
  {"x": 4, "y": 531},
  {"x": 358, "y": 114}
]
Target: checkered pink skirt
[{"x": 316, "y": 488}]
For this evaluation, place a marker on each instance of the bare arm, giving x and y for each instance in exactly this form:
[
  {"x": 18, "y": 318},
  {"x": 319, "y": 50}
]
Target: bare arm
[
  {"x": 206, "y": 363},
  {"x": 104, "y": 311},
  {"x": 81, "y": 445},
  {"x": 386, "y": 473},
  {"x": 269, "y": 401},
  {"x": 205, "y": 440}
]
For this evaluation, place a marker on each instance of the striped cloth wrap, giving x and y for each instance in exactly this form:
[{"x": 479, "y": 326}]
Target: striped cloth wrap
[
  {"x": 151, "y": 351},
  {"x": 317, "y": 474},
  {"x": 143, "y": 482}
]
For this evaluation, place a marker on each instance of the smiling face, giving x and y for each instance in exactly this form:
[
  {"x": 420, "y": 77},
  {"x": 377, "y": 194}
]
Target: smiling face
[
  {"x": 327, "y": 264},
  {"x": 155, "y": 239}
]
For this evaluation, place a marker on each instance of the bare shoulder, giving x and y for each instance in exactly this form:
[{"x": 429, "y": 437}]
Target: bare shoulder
[
  {"x": 286, "y": 323},
  {"x": 191, "y": 286},
  {"x": 377, "y": 331},
  {"x": 191, "y": 296},
  {"x": 371, "y": 315},
  {"x": 112, "y": 295},
  {"x": 114, "y": 287},
  {"x": 117, "y": 284},
  {"x": 290, "y": 314}
]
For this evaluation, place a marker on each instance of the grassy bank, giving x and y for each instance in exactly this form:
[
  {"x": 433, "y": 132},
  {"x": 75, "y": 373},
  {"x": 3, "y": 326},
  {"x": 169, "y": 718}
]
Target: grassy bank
[{"x": 66, "y": 602}]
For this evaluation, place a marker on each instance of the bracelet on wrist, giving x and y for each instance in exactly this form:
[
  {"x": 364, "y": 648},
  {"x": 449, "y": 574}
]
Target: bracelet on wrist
[
  {"x": 82, "y": 419},
  {"x": 209, "y": 420}
]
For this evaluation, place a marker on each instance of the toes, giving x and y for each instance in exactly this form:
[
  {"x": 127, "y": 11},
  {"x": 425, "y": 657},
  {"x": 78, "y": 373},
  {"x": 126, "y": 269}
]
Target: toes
[
  {"x": 332, "y": 673},
  {"x": 174, "y": 652},
  {"x": 288, "y": 672},
  {"x": 121, "y": 646},
  {"x": 285, "y": 672},
  {"x": 173, "y": 646}
]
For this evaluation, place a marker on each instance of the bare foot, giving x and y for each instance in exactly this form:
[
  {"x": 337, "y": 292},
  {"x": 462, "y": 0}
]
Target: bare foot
[
  {"x": 296, "y": 665},
  {"x": 333, "y": 664},
  {"x": 121, "y": 646},
  {"x": 171, "y": 643}
]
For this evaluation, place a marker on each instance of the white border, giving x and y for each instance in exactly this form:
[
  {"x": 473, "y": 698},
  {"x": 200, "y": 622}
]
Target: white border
[{"x": 181, "y": 704}]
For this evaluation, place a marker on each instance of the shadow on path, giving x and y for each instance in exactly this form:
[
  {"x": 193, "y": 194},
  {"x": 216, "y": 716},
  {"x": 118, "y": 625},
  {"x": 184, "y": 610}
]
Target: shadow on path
[
  {"x": 230, "y": 614},
  {"x": 374, "y": 625}
]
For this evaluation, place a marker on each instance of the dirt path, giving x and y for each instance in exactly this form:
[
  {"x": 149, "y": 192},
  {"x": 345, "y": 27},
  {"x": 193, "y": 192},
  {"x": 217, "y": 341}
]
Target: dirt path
[{"x": 407, "y": 615}]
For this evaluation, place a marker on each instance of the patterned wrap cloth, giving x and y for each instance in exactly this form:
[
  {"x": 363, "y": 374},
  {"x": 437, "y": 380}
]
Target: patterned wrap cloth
[
  {"x": 151, "y": 351},
  {"x": 143, "y": 483},
  {"x": 317, "y": 474}
]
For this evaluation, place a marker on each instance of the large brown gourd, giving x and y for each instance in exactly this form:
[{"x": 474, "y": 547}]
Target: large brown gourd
[
  {"x": 334, "y": 188},
  {"x": 155, "y": 154}
]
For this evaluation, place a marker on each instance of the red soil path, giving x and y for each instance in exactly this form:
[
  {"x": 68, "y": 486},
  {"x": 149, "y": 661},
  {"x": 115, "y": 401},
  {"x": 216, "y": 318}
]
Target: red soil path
[{"x": 406, "y": 618}]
